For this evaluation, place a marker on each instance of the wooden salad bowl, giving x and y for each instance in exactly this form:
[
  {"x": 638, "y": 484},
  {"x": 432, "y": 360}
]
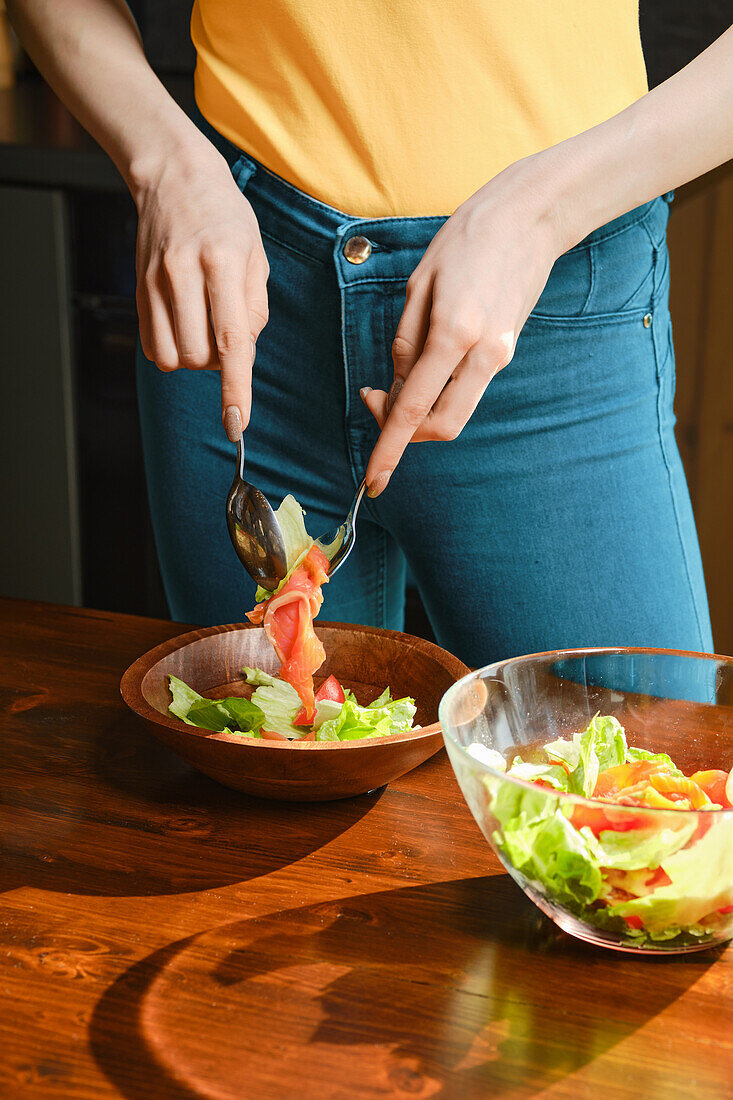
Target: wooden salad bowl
[{"x": 362, "y": 658}]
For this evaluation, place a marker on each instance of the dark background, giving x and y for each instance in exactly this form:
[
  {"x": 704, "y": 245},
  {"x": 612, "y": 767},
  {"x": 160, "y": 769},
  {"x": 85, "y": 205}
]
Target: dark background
[{"x": 121, "y": 573}]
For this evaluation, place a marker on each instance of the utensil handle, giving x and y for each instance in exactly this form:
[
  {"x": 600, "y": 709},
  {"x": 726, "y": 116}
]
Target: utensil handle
[{"x": 240, "y": 456}]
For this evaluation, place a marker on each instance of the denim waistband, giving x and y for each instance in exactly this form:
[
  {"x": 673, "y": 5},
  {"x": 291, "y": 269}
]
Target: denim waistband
[{"x": 314, "y": 229}]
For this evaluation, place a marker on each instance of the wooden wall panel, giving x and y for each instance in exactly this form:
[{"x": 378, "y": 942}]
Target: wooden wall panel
[{"x": 701, "y": 247}]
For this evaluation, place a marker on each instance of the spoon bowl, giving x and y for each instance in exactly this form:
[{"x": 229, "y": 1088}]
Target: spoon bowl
[{"x": 254, "y": 530}]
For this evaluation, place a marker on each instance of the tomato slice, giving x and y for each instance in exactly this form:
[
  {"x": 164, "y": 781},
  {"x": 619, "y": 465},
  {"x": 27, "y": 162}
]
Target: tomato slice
[
  {"x": 633, "y": 921},
  {"x": 329, "y": 689},
  {"x": 273, "y": 735},
  {"x": 713, "y": 782},
  {"x": 600, "y": 819},
  {"x": 614, "y": 780}
]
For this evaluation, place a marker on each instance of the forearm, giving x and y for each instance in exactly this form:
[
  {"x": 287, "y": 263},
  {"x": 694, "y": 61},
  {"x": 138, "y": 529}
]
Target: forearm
[
  {"x": 678, "y": 131},
  {"x": 90, "y": 53}
]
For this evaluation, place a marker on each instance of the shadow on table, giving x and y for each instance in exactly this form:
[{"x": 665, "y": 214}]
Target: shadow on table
[
  {"x": 130, "y": 818},
  {"x": 456, "y": 989}
]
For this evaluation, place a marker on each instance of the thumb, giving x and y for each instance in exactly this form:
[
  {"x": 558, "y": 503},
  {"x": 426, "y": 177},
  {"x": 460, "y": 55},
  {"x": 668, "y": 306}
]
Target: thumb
[{"x": 378, "y": 403}]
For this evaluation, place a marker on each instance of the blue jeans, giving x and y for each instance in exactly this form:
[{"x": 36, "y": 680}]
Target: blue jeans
[{"x": 559, "y": 517}]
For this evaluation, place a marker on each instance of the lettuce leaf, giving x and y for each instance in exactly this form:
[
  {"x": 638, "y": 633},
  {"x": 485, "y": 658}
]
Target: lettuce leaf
[
  {"x": 355, "y": 722},
  {"x": 400, "y": 712},
  {"x": 633, "y": 755},
  {"x": 601, "y": 745},
  {"x": 552, "y": 774},
  {"x": 295, "y": 537},
  {"x": 491, "y": 757},
  {"x": 564, "y": 751},
  {"x": 231, "y": 715},
  {"x": 279, "y": 703},
  {"x": 552, "y": 853},
  {"x": 702, "y": 883},
  {"x": 516, "y": 808},
  {"x": 639, "y": 849},
  {"x": 257, "y": 677}
]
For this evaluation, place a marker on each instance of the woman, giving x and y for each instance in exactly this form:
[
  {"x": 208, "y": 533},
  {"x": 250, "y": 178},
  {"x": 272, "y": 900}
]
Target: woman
[{"x": 546, "y": 509}]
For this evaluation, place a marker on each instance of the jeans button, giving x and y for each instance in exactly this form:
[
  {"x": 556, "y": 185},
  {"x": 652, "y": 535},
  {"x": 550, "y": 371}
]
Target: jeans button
[
  {"x": 357, "y": 250},
  {"x": 647, "y": 320}
]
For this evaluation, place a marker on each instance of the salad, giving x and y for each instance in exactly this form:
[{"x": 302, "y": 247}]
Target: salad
[
  {"x": 287, "y": 707},
  {"x": 652, "y": 877}
]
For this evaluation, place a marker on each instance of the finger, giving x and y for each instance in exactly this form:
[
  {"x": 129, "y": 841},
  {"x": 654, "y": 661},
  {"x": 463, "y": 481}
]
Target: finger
[
  {"x": 143, "y": 320},
  {"x": 232, "y": 334},
  {"x": 187, "y": 294},
  {"x": 412, "y": 332},
  {"x": 256, "y": 292},
  {"x": 378, "y": 403},
  {"x": 439, "y": 421},
  {"x": 457, "y": 403},
  {"x": 418, "y": 395},
  {"x": 164, "y": 351}
]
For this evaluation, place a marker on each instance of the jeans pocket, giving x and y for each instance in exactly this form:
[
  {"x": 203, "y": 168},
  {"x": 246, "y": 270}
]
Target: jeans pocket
[
  {"x": 616, "y": 275},
  {"x": 568, "y": 288}
]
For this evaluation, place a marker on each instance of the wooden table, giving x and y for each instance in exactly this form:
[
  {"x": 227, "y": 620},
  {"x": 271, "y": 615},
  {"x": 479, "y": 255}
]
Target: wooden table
[{"x": 162, "y": 937}]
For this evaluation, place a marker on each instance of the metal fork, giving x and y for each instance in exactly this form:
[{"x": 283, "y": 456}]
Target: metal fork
[{"x": 338, "y": 544}]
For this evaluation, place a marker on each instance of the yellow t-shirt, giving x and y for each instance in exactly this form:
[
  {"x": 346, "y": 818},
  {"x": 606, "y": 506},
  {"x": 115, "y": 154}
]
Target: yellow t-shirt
[{"x": 406, "y": 107}]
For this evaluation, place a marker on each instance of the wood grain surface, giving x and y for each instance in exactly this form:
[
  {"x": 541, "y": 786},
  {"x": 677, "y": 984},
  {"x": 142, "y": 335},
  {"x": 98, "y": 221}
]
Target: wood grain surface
[{"x": 165, "y": 938}]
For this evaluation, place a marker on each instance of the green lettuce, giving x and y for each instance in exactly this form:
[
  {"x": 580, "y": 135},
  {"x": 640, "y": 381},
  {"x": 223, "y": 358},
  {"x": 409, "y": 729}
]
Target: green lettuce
[
  {"x": 381, "y": 718},
  {"x": 638, "y": 849},
  {"x": 552, "y": 853},
  {"x": 231, "y": 715},
  {"x": 491, "y": 757},
  {"x": 600, "y": 746},
  {"x": 634, "y": 755},
  {"x": 400, "y": 714},
  {"x": 551, "y": 774},
  {"x": 702, "y": 883},
  {"x": 355, "y": 722},
  {"x": 516, "y": 808},
  {"x": 295, "y": 537},
  {"x": 278, "y": 701},
  {"x": 257, "y": 677}
]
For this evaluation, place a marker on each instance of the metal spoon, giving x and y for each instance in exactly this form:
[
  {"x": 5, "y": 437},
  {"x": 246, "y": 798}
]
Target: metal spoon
[
  {"x": 338, "y": 544},
  {"x": 254, "y": 530}
]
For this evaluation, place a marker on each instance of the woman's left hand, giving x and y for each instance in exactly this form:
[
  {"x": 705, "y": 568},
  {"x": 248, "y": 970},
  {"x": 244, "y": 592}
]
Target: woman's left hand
[{"x": 466, "y": 304}]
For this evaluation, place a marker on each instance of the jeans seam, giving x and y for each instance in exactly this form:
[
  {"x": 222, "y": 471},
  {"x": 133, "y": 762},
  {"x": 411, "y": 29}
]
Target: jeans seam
[
  {"x": 382, "y": 585},
  {"x": 586, "y": 320},
  {"x": 672, "y": 493},
  {"x": 642, "y": 218},
  {"x": 591, "y": 282},
  {"x": 292, "y": 248},
  {"x": 377, "y": 279}
]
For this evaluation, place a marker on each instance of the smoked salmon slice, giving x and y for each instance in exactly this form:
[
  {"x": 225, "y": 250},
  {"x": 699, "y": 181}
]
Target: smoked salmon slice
[{"x": 287, "y": 618}]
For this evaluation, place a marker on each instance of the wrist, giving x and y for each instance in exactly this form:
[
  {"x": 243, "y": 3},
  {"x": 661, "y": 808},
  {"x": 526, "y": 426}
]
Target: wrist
[
  {"x": 586, "y": 180},
  {"x": 181, "y": 145}
]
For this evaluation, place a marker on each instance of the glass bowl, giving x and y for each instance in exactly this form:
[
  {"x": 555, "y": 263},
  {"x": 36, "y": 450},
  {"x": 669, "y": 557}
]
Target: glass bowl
[{"x": 629, "y": 877}]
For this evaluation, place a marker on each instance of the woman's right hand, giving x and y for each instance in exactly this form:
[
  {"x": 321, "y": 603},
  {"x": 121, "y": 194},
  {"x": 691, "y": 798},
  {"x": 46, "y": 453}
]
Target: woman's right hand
[{"x": 201, "y": 275}]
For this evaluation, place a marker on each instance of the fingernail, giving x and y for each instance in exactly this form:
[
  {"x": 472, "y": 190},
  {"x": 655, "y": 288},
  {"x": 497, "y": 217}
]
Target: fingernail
[
  {"x": 394, "y": 393},
  {"x": 233, "y": 423},
  {"x": 364, "y": 392},
  {"x": 379, "y": 483},
  {"x": 254, "y": 348}
]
